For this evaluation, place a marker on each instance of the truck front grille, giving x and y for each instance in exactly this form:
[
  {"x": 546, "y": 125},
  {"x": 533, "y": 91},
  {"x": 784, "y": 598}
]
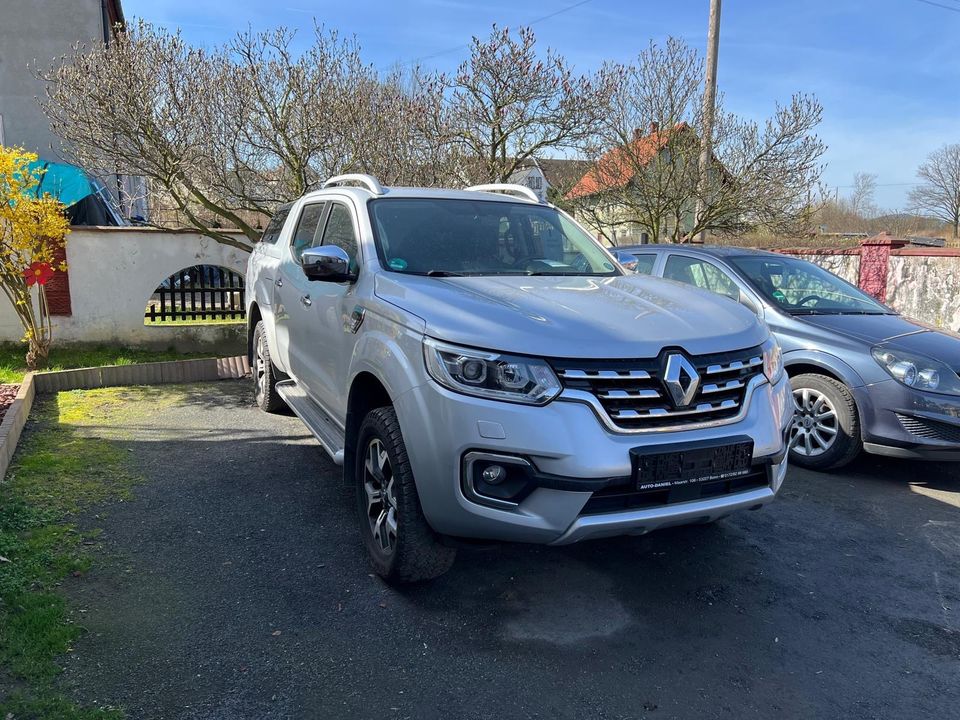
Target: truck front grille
[{"x": 635, "y": 394}]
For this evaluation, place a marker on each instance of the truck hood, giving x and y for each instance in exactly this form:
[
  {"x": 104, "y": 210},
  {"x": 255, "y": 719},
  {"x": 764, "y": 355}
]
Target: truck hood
[{"x": 631, "y": 316}]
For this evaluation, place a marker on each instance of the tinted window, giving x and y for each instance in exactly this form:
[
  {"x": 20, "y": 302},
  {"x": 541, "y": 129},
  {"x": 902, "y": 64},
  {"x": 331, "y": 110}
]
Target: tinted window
[
  {"x": 701, "y": 274},
  {"x": 645, "y": 263},
  {"x": 800, "y": 287},
  {"x": 340, "y": 232},
  {"x": 306, "y": 234},
  {"x": 272, "y": 232},
  {"x": 482, "y": 237}
]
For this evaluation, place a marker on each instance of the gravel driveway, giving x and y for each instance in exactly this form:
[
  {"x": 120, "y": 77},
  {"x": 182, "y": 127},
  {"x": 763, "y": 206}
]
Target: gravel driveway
[{"x": 234, "y": 586}]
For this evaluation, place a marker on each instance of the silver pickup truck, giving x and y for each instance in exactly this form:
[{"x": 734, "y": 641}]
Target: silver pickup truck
[{"x": 484, "y": 369}]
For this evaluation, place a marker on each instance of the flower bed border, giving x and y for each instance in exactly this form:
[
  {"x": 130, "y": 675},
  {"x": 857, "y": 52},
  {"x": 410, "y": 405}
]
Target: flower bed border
[{"x": 158, "y": 373}]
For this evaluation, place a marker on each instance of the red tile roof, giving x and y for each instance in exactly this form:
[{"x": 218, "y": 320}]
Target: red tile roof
[{"x": 616, "y": 167}]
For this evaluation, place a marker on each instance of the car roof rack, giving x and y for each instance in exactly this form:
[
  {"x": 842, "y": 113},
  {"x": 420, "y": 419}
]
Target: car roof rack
[
  {"x": 509, "y": 188},
  {"x": 369, "y": 182}
]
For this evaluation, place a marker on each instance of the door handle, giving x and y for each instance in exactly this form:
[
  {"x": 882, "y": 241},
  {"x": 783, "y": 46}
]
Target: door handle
[
  {"x": 306, "y": 301},
  {"x": 279, "y": 282}
]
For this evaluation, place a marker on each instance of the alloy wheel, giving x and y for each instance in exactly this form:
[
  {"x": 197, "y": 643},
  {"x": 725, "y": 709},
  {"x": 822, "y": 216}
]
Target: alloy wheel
[
  {"x": 380, "y": 488},
  {"x": 815, "y": 424},
  {"x": 261, "y": 367}
]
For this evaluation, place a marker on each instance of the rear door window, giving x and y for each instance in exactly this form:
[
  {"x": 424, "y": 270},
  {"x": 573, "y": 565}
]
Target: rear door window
[
  {"x": 272, "y": 232},
  {"x": 701, "y": 274}
]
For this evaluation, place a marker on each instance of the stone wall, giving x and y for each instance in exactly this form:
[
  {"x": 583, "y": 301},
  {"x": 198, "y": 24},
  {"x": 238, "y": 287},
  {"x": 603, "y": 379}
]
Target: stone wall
[{"x": 922, "y": 283}]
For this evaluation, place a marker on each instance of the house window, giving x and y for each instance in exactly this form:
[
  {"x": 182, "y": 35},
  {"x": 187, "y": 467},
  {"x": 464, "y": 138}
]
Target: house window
[{"x": 536, "y": 182}]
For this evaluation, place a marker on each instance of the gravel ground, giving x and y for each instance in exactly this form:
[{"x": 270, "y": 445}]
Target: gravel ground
[{"x": 237, "y": 588}]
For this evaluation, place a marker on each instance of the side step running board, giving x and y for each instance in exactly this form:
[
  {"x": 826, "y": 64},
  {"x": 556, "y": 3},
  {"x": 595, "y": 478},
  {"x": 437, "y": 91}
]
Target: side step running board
[{"x": 320, "y": 424}]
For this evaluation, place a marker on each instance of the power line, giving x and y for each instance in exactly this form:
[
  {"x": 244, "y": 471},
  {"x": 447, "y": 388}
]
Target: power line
[
  {"x": 903, "y": 184},
  {"x": 940, "y": 5},
  {"x": 463, "y": 46}
]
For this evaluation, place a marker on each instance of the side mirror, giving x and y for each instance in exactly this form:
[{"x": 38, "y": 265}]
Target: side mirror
[
  {"x": 627, "y": 260},
  {"x": 327, "y": 262},
  {"x": 749, "y": 303}
]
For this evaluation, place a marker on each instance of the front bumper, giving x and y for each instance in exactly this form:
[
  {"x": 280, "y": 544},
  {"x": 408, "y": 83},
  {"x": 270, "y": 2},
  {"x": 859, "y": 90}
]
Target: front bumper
[
  {"x": 901, "y": 422},
  {"x": 566, "y": 440}
]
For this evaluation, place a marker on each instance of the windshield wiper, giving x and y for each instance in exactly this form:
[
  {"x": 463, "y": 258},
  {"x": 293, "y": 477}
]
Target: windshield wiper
[{"x": 443, "y": 273}]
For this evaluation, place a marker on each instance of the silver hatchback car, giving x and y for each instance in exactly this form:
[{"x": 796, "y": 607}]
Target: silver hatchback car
[{"x": 864, "y": 377}]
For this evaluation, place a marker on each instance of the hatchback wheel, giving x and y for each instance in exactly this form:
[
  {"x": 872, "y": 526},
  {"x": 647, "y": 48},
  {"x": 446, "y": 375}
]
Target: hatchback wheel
[{"x": 825, "y": 433}]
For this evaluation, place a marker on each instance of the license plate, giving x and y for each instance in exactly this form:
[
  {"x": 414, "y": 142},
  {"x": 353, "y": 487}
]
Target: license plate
[{"x": 663, "y": 467}]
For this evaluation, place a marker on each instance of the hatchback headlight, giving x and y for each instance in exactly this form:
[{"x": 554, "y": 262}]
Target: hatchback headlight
[
  {"x": 490, "y": 375},
  {"x": 772, "y": 360},
  {"x": 917, "y": 371}
]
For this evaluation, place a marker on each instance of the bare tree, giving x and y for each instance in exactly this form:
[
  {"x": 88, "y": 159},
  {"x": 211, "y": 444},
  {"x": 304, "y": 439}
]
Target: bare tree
[
  {"x": 862, "y": 195},
  {"x": 230, "y": 133},
  {"x": 939, "y": 193},
  {"x": 762, "y": 175},
  {"x": 506, "y": 105}
]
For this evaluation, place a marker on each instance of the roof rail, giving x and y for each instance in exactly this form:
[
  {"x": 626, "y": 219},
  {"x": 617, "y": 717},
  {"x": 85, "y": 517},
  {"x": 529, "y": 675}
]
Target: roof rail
[
  {"x": 368, "y": 181},
  {"x": 509, "y": 188}
]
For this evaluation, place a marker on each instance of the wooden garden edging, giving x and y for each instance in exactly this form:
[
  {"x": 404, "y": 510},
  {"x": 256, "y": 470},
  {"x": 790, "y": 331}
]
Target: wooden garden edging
[{"x": 158, "y": 373}]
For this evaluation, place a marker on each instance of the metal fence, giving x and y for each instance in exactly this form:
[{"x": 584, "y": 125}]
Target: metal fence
[{"x": 198, "y": 293}]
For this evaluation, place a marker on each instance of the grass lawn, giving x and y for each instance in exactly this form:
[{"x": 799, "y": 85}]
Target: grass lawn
[
  {"x": 60, "y": 469},
  {"x": 194, "y": 322},
  {"x": 66, "y": 357}
]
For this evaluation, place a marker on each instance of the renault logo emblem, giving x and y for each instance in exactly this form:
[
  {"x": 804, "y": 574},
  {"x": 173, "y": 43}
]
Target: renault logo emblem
[{"x": 681, "y": 380}]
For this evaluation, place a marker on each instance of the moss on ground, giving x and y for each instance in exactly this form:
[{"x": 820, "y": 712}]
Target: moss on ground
[{"x": 69, "y": 459}]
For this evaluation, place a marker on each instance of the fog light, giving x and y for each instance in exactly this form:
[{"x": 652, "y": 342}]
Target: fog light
[
  {"x": 494, "y": 474},
  {"x": 497, "y": 480}
]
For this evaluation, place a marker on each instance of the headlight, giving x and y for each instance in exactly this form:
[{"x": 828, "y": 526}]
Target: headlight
[
  {"x": 490, "y": 375},
  {"x": 917, "y": 371},
  {"x": 772, "y": 360}
]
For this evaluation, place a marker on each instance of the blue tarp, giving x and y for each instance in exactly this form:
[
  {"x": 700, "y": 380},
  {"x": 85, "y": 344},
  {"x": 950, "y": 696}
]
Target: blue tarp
[{"x": 87, "y": 201}]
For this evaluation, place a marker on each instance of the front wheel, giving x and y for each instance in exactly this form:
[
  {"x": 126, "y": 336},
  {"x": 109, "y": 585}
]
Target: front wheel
[
  {"x": 402, "y": 546},
  {"x": 825, "y": 434}
]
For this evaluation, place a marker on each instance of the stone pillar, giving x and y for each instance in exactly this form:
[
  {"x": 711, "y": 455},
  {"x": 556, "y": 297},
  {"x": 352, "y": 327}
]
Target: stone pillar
[{"x": 874, "y": 263}]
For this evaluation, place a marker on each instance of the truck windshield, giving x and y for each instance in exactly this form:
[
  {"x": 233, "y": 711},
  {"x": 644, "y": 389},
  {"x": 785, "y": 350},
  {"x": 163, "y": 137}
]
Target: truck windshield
[
  {"x": 799, "y": 287},
  {"x": 451, "y": 237}
]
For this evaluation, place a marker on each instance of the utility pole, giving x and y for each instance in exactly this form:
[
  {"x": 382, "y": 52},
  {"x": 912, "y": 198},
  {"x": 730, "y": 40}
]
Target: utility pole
[{"x": 709, "y": 109}]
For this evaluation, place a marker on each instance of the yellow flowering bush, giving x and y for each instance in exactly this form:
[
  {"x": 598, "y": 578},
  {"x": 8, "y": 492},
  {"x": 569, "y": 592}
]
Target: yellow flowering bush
[{"x": 32, "y": 229}]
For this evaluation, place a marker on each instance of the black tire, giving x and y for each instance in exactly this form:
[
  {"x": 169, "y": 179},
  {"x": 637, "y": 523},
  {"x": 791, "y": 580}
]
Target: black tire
[
  {"x": 415, "y": 552},
  {"x": 264, "y": 373},
  {"x": 846, "y": 443}
]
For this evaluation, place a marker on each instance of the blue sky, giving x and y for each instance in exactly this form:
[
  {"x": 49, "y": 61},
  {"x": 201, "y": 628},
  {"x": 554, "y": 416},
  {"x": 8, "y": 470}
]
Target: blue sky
[{"x": 886, "y": 71}]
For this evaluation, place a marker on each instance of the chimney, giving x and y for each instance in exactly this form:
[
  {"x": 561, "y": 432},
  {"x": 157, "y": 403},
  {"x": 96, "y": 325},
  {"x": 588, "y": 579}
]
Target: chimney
[{"x": 654, "y": 127}]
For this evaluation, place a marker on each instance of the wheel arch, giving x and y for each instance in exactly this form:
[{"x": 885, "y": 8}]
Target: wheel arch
[
  {"x": 253, "y": 317},
  {"x": 821, "y": 363},
  {"x": 367, "y": 392}
]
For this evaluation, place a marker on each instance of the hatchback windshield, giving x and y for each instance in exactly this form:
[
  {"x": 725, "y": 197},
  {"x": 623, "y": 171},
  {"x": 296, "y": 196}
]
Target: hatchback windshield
[
  {"x": 799, "y": 287},
  {"x": 437, "y": 236}
]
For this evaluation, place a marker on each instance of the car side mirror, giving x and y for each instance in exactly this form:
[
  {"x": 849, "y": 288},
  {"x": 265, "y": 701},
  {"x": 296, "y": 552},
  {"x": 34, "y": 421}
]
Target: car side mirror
[
  {"x": 749, "y": 303},
  {"x": 627, "y": 260},
  {"x": 327, "y": 262}
]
